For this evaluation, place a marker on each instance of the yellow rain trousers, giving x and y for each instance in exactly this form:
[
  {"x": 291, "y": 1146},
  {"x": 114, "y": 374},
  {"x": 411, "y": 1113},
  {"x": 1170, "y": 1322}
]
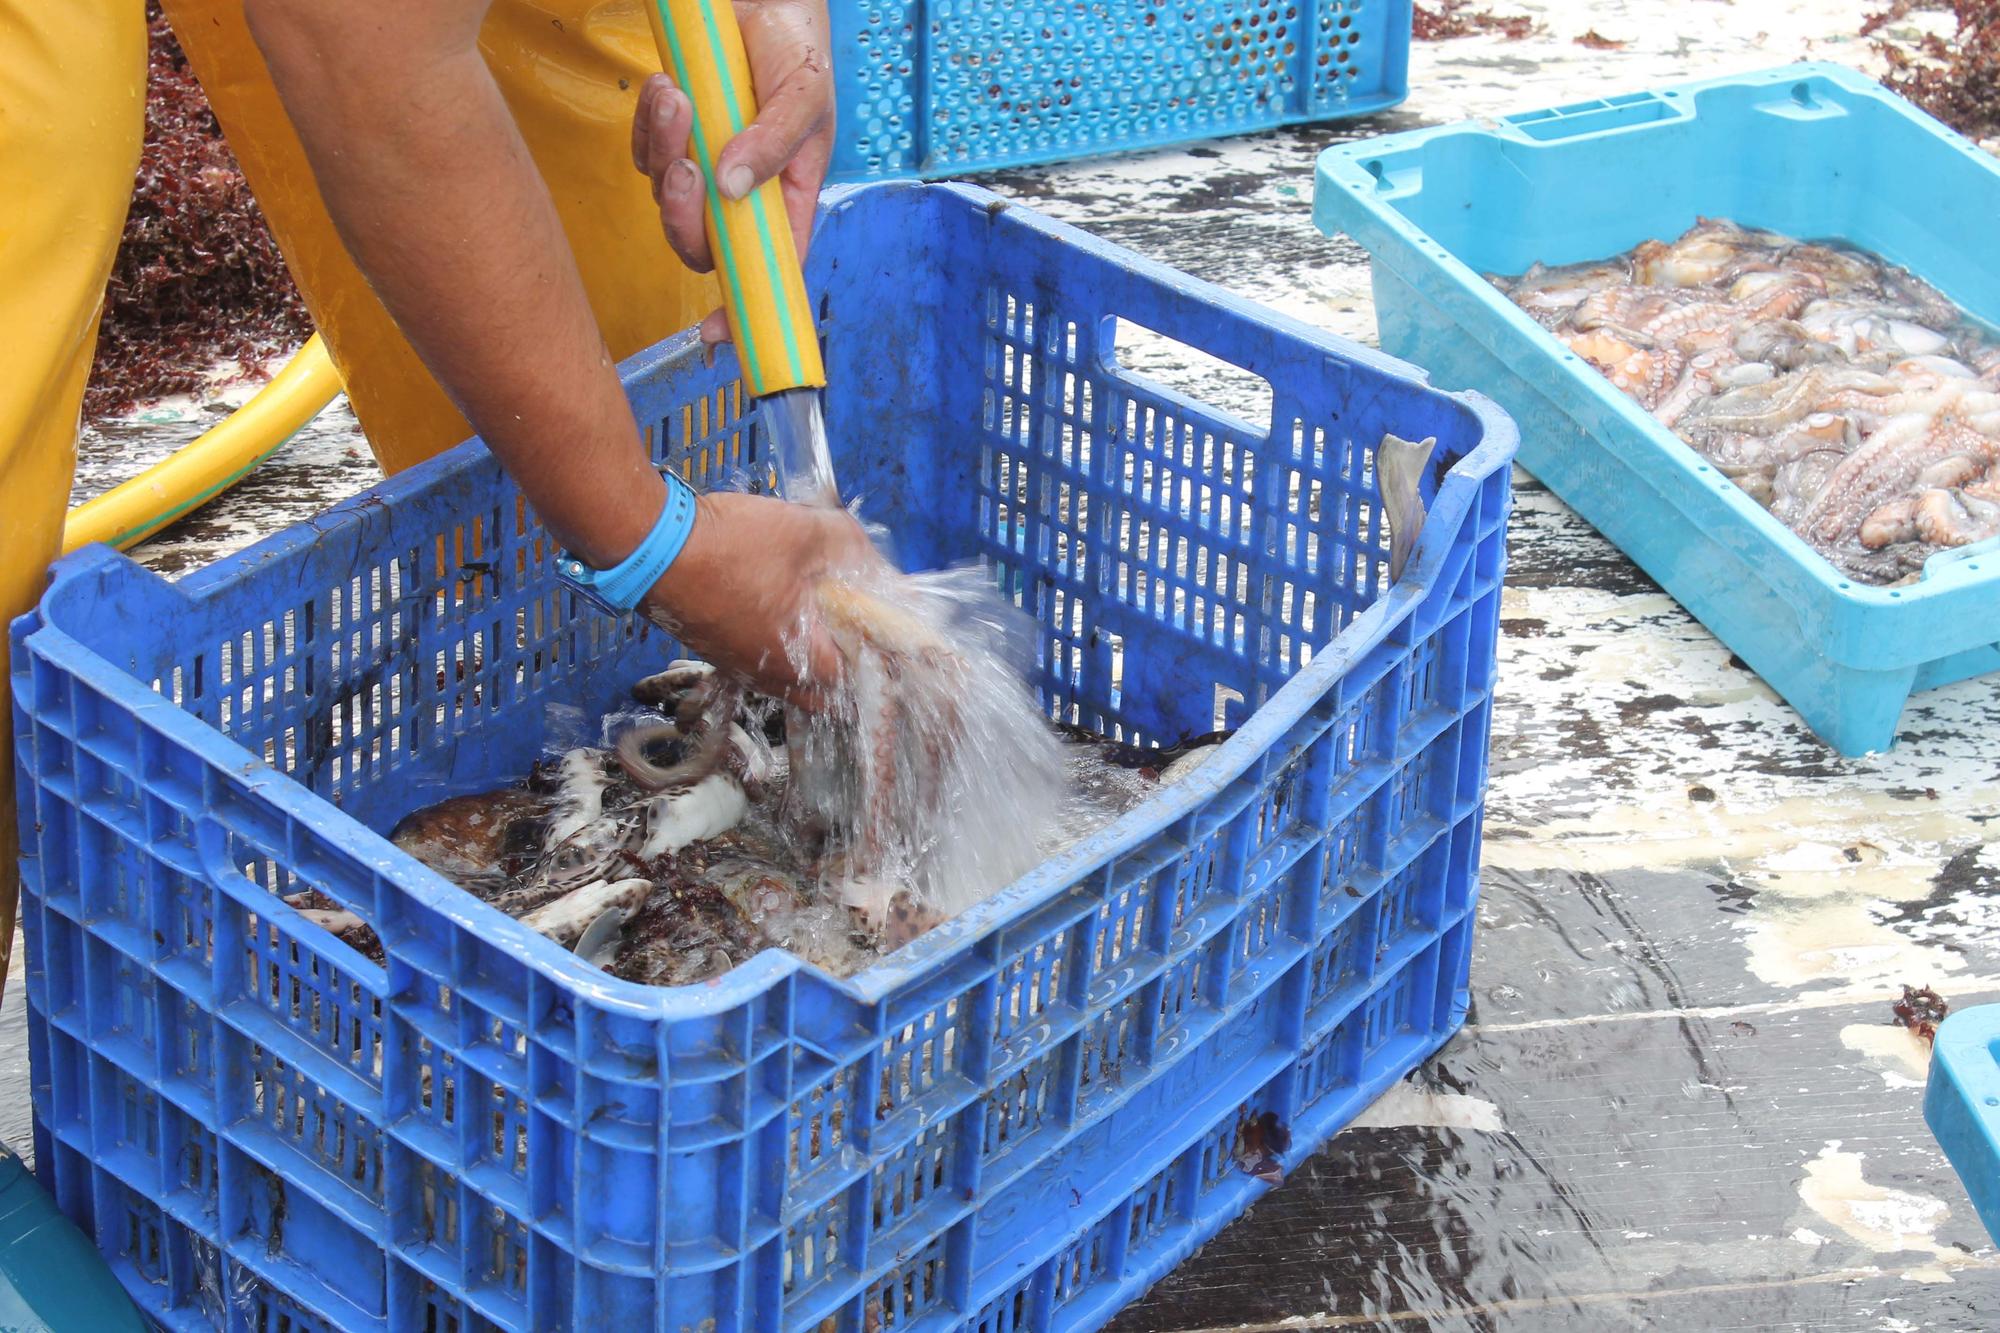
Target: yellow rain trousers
[
  {"x": 72, "y": 81},
  {"x": 72, "y": 110}
]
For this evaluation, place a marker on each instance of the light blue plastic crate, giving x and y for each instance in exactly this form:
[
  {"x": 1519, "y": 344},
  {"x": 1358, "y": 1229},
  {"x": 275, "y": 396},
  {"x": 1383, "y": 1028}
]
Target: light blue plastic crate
[
  {"x": 1962, "y": 1104},
  {"x": 1812, "y": 150},
  {"x": 945, "y": 87},
  {"x": 1017, "y": 1123}
]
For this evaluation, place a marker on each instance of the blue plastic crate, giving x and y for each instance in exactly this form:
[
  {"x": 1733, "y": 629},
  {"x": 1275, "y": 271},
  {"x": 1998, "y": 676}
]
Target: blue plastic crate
[
  {"x": 945, "y": 87},
  {"x": 1962, "y": 1104},
  {"x": 1811, "y": 150},
  {"x": 1016, "y": 1123}
]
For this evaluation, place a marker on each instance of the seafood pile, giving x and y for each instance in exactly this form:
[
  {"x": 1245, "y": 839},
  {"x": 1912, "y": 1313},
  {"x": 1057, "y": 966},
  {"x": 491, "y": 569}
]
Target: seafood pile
[
  {"x": 1846, "y": 395},
  {"x": 681, "y": 847}
]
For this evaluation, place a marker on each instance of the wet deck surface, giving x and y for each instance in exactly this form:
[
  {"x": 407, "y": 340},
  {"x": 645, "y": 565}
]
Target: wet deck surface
[{"x": 1679, "y": 1102}]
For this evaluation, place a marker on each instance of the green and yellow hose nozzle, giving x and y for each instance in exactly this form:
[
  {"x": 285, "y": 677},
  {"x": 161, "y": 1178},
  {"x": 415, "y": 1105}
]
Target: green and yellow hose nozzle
[{"x": 763, "y": 287}]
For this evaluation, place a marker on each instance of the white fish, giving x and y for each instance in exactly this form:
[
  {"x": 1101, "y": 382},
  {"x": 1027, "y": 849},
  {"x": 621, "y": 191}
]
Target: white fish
[
  {"x": 673, "y": 819},
  {"x": 601, "y": 939},
  {"x": 579, "y": 797},
  {"x": 1399, "y": 465},
  {"x": 566, "y": 919},
  {"x": 333, "y": 920}
]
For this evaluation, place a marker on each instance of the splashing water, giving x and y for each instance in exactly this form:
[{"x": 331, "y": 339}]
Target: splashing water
[
  {"x": 932, "y": 774},
  {"x": 930, "y": 777}
]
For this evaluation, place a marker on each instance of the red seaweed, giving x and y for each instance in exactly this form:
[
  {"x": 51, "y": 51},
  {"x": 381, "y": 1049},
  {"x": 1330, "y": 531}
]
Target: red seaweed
[
  {"x": 1456, "y": 18},
  {"x": 1921, "y": 1010},
  {"x": 1956, "y": 79},
  {"x": 198, "y": 280},
  {"x": 1597, "y": 41}
]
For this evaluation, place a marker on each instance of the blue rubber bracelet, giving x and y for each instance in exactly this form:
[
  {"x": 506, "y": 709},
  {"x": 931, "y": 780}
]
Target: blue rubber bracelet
[{"x": 622, "y": 587}]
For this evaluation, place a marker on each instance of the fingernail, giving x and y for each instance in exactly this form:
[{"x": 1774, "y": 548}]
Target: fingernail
[
  {"x": 683, "y": 177},
  {"x": 738, "y": 181}
]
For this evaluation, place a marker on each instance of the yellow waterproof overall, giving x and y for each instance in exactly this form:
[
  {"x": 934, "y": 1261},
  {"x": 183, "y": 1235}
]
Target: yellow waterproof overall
[{"x": 72, "y": 101}]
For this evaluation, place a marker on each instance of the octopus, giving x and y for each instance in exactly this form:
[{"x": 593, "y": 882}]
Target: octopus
[
  {"x": 1846, "y": 396},
  {"x": 1712, "y": 251},
  {"x": 1784, "y": 401},
  {"x": 1864, "y": 331},
  {"x": 1953, "y": 518},
  {"x": 1644, "y": 373},
  {"x": 1549, "y": 295},
  {"x": 1909, "y": 451}
]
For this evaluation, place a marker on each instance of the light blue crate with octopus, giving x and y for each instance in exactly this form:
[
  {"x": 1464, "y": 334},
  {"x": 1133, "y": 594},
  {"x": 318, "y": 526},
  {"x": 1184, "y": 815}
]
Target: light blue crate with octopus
[
  {"x": 263, "y": 1128},
  {"x": 1814, "y": 151}
]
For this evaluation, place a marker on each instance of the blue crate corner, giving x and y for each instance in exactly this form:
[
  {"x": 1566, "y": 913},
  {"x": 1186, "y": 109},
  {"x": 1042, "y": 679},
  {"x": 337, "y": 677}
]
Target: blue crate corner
[{"x": 1962, "y": 1104}]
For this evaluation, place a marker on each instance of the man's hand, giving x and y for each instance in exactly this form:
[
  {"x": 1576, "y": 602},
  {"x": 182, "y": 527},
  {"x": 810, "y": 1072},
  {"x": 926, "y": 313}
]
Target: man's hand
[
  {"x": 744, "y": 592},
  {"x": 788, "y": 42}
]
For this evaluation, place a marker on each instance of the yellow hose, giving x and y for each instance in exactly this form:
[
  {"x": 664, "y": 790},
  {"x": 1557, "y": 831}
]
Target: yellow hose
[{"x": 134, "y": 510}]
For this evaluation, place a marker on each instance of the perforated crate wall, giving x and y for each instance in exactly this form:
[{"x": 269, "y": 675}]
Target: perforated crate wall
[
  {"x": 264, "y": 1129},
  {"x": 942, "y": 87}
]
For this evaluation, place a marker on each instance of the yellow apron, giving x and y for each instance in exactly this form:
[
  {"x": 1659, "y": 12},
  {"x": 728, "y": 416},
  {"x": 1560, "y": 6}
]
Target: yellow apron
[
  {"x": 72, "y": 114},
  {"x": 571, "y": 72}
]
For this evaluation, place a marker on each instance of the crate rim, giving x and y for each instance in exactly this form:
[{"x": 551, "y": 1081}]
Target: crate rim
[
  {"x": 1945, "y": 574},
  {"x": 74, "y": 574},
  {"x": 934, "y": 171}
]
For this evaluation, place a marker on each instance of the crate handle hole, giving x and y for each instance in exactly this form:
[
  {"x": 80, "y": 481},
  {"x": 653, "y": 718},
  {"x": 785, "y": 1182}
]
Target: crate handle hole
[
  {"x": 1802, "y": 93},
  {"x": 1146, "y": 357},
  {"x": 1228, "y": 708}
]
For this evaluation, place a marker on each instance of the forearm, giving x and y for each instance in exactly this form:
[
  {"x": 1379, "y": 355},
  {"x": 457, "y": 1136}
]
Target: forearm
[{"x": 435, "y": 195}]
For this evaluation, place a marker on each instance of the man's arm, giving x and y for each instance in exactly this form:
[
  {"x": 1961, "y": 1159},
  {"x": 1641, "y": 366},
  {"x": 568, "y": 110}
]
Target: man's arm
[{"x": 435, "y": 194}]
